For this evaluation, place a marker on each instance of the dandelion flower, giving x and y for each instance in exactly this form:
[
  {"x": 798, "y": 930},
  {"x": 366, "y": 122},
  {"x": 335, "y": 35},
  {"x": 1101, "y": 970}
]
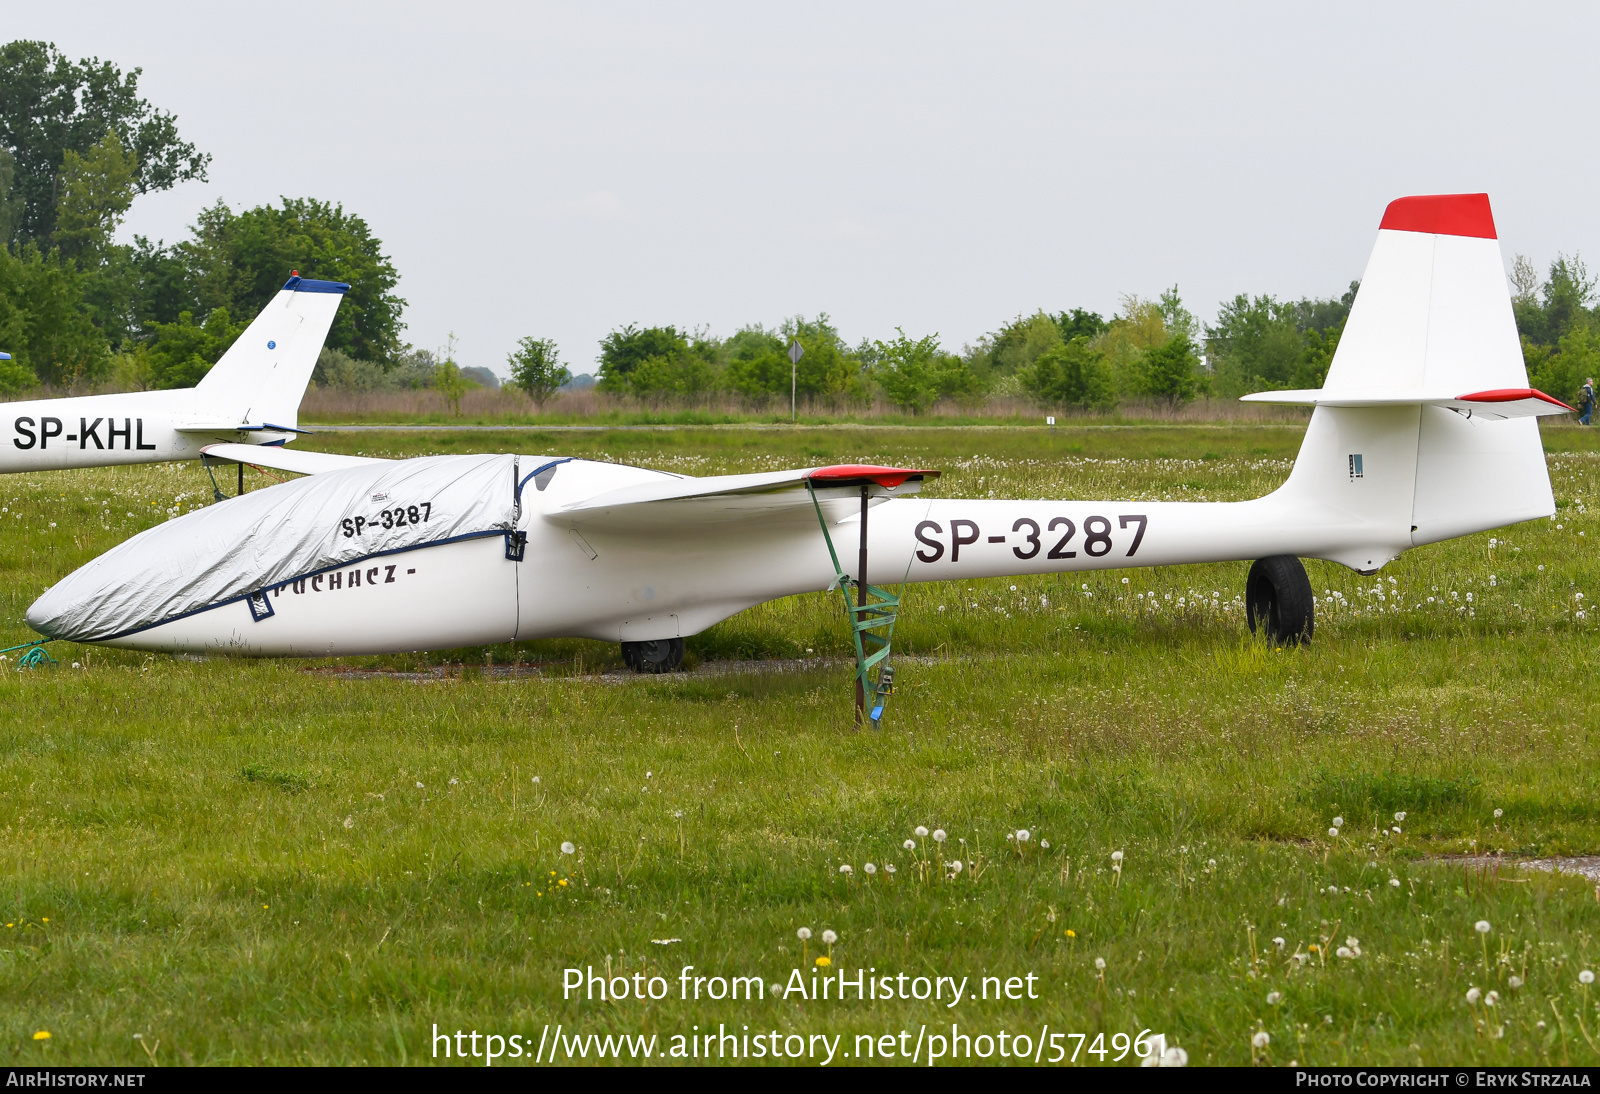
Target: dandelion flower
[
  {"x": 1586, "y": 977},
  {"x": 567, "y": 848},
  {"x": 889, "y": 868},
  {"x": 1333, "y": 833},
  {"x": 829, "y": 937},
  {"x": 1491, "y": 999},
  {"x": 1482, "y": 926},
  {"x": 1262, "y": 1039},
  {"x": 1279, "y": 942},
  {"x": 42, "y": 1035},
  {"x": 1100, "y": 963},
  {"x": 1399, "y": 818},
  {"x": 1498, "y": 813},
  {"x": 1395, "y": 829},
  {"x": 870, "y": 869},
  {"x": 824, "y": 961},
  {"x": 1473, "y": 995},
  {"x": 956, "y": 867},
  {"x": 536, "y": 780},
  {"x": 844, "y": 868},
  {"x": 1116, "y": 856},
  {"x": 1174, "y": 1057},
  {"x": 803, "y": 933},
  {"x": 938, "y": 835},
  {"x": 419, "y": 784},
  {"x": 1274, "y": 998},
  {"x": 1071, "y": 933},
  {"x": 1212, "y": 863},
  {"x": 1023, "y": 835},
  {"x": 1338, "y": 822},
  {"x": 1514, "y": 982},
  {"x": 910, "y": 845},
  {"x": 921, "y": 832},
  {"x": 1394, "y": 883},
  {"x": 1344, "y": 951},
  {"x": 1045, "y": 844}
]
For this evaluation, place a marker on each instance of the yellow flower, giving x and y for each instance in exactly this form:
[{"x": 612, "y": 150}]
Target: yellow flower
[
  {"x": 46, "y": 919},
  {"x": 552, "y": 873},
  {"x": 562, "y": 882},
  {"x": 1071, "y": 933},
  {"x": 42, "y": 1035},
  {"x": 263, "y": 907},
  {"x": 823, "y": 962}
]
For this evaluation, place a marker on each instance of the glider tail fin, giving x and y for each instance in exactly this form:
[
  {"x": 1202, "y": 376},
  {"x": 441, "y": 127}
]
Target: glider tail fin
[
  {"x": 262, "y": 377},
  {"x": 1425, "y": 427}
]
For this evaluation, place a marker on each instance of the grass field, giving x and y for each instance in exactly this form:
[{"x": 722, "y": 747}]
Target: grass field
[{"x": 301, "y": 862}]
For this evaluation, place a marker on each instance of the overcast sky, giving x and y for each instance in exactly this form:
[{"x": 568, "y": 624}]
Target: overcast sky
[{"x": 559, "y": 170}]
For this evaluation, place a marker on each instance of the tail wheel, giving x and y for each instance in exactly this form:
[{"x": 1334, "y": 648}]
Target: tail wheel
[
  {"x": 1278, "y": 600},
  {"x": 657, "y": 655}
]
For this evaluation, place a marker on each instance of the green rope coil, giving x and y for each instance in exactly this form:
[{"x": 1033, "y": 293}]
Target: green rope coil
[{"x": 35, "y": 655}]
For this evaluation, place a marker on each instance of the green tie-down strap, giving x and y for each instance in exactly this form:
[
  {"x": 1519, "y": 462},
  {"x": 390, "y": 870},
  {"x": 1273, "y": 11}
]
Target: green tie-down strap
[
  {"x": 35, "y": 655},
  {"x": 866, "y": 620}
]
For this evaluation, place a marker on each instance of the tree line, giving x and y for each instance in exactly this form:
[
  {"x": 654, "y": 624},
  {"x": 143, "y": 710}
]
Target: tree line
[{"x": 78, "y": 144}]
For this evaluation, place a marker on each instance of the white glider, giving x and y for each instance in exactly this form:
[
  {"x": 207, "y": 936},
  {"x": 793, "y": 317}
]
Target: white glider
[
  {"x": 1424, "y": 430},
  {"x": 253, "y": 392}
]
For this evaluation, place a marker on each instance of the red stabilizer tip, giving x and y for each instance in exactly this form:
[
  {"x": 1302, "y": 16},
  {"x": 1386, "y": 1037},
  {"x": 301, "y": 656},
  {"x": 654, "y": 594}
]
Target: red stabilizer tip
[
  {"x": 1511, "y": 395},
  {"x": 1442, "y": 214}
]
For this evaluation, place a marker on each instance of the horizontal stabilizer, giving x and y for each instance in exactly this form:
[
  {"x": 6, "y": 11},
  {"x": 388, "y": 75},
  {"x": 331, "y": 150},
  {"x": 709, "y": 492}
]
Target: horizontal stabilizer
[
  {"x": 285, "y": 459},
  {"x": 1495, "y": 405}
]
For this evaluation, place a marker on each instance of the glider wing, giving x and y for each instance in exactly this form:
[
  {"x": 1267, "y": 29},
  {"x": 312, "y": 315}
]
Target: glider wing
[
  {"x": 1497, "y": 404},
  {"x": 678, "y": 502},
  {"x": 286, "y": 459}
]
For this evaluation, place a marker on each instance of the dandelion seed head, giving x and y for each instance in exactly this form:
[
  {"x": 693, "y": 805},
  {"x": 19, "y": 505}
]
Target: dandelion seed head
[
  {"x": 938, "y": 835},
  {"x": 1514, "y": 982},
  {"x": 1482, "y": 926},
  {"x": 1274, "y": 998},
  {"x": 869, "y": 868},
  {"x": 1333, "y": 833},
  {"x": 921, "y": 832},
  {"x": 910, "y": 845},
  {"x": 1338, "y": 822},
  {"x": 1394, "y": 883},
  {"x": 567, "y": 848},
  {"x": 1473, "y": 995},
  {"x": 1586, "y": 977},
  {"x": 1498, "y": 813},
  {"x": 1116, "y": 856},
  {"x": 1491, "y": 999},
  {"x": 844, "y": 868},
  {"x": 829, "y": 937},
  {"x": 1399, "y": 818},
  {"x": 1280, "y": 943},
  {"x": 1262, "y": 1039},
  {"x": 1100, "y": 963},
  {"x": 803, "y": 933},
  {"x": 889, "y": 868},
  {"x": 1023, "y": 835}
]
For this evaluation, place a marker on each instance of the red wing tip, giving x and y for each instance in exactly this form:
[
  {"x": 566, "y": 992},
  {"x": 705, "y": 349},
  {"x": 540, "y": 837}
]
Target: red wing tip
[
  {"x": 1441, "y": 214},
  {"x": 1511, "y": 395},
  {"x": 887, "y": 477}
]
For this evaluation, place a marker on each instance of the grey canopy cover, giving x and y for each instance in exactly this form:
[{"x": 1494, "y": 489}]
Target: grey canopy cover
[{"x": 285, "y": 532}]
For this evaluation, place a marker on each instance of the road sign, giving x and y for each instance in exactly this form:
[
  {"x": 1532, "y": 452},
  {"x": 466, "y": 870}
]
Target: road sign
[{"x": 796, "y": 351}]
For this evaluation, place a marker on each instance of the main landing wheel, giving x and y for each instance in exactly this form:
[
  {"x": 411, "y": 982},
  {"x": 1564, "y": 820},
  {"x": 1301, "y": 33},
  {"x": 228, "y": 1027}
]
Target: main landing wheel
[
  {"x": 1278, "y": 600},
  {"x": 657, "y": 655}
]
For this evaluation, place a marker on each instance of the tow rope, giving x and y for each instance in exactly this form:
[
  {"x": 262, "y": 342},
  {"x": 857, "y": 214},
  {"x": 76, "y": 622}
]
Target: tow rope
[{"x": 35, "y": 655}]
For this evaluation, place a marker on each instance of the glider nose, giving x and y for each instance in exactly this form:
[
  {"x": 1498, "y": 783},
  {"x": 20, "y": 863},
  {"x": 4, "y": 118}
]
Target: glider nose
[{"x": 47, "y": 614}]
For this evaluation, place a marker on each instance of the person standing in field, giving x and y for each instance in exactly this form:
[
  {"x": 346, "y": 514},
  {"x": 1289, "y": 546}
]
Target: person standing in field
[{"x": 1586, "y": 401}]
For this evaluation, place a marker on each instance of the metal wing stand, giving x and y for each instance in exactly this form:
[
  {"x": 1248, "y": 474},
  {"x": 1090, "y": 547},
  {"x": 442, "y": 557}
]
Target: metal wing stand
[{"x": 872, "y": 618}]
